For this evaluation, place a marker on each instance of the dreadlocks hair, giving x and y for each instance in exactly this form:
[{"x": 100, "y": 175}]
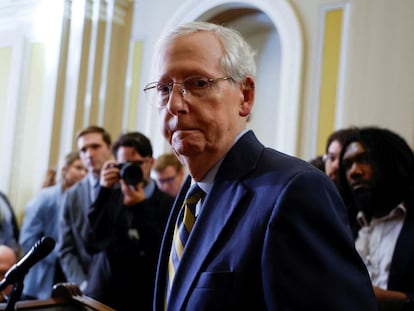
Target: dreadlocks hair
[{"x": 390, "y": 154}]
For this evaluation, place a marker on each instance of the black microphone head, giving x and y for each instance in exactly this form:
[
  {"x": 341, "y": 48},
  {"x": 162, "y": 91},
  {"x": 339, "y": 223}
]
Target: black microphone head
[
  {"x": 43, "y": 247},
  {"x": 40, "y": 250}
]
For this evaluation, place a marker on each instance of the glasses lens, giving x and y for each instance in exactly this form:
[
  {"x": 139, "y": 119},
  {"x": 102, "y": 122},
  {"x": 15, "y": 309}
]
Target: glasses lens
[
  {"x": 331, "y": 157},
  {"x": 196, "y": 83},
  {"x": 138, "y": 163},
  {"x": 167, "y": 180},
  {"x": 157, "y": 94},
  {"x": 153, "y": 93}
]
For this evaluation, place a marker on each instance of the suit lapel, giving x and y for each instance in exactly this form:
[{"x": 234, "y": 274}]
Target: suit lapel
[
  {"x": 218, "y": 207},
  {"x": 402, "y": 252}
]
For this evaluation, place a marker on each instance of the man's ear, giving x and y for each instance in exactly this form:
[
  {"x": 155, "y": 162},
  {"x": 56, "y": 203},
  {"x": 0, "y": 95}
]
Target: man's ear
[{"x": 248, "y": 96}]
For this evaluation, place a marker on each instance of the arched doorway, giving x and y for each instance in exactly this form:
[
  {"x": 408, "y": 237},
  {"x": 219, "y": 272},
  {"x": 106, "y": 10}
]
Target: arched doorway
[{"x": 260, "y": 32}]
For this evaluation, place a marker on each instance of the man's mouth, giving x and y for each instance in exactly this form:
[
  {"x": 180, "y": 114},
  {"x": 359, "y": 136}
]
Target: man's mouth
[{"x": 357, "y": 186}]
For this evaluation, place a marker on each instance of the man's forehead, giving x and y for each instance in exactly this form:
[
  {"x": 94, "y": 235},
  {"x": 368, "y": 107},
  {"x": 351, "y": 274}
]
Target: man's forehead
[
  {"x": 190, "y": 53},
  {"x": 353, "y": 149},
  {"x": 90, "y": 143},
  {"x": 89, "y": 137}
]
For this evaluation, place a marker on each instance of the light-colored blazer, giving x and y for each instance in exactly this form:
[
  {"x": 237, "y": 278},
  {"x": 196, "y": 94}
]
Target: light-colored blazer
[
  {"x": 41, "y": 219},
  {"x": 74, "y": 226}
]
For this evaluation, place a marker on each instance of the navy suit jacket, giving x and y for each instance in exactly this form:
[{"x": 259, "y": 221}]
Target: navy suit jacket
[
  {"x": 272, "y": 235},
  {"x": 401, "y": 277}
]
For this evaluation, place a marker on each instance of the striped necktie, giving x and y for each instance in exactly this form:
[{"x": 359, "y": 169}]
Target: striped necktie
[{"x": 184, "y": 224}]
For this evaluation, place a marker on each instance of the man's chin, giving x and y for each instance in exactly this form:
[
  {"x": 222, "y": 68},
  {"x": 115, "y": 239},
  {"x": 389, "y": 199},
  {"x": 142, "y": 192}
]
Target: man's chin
[
  {"x": 188, "y": 148},
  {"x": 364, "y": 200},
  {"x": 376, "y": 202}
]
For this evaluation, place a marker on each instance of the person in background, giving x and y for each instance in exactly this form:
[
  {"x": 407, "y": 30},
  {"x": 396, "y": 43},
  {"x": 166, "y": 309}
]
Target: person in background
[
  {"x": 94, "y": 146},
  {"x": 7, "y": 259},
  {"x": 50, "y": 178},
  {"x": 377, "y": 167},
  {"x": 127, "y": 221},
  {"x": 318, "y": 162},
  {"x": 331, "y": 160},
  {"x": 259, "y": 230},
  {"x": 9, "y": 229},
  {"x": 41, "y": 219},
  {"x": 169, "y": 173},
  {"x": 334, "y": 145}
]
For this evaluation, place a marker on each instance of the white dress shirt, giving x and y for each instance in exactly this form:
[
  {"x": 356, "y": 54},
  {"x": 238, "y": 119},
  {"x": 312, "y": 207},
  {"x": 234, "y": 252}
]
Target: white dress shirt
[{"x": 376, "y": 242}]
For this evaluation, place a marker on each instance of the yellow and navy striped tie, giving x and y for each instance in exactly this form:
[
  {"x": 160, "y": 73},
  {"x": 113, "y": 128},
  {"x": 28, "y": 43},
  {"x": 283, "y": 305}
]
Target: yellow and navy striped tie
[{"x": 183, "y": 226}]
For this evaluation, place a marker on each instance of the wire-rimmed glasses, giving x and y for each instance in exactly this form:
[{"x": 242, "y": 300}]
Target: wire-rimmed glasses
[{"x": 158, "y": 93}]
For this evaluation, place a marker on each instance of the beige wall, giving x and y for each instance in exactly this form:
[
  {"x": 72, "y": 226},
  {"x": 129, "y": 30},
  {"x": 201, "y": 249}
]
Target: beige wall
[
  {"x": 93, "y": 75},
  {"x": 379, "y": 71},
  {"x": 64, "y": 67},
  {"x": 381, "y": 68},
  {"x": 375, "y": 71}
]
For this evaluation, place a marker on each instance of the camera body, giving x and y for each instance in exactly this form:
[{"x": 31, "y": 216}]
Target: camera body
[{"x": 130, "y": 172}]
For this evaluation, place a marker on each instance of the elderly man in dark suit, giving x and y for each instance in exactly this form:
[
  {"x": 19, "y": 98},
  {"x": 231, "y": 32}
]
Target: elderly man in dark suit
[{"x": 260, "y": 230}]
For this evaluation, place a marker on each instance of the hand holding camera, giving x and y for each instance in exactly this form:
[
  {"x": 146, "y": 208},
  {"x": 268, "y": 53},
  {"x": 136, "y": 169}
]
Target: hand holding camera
[
  {"x": 112, "y": 172},
  {"x": 109, "y": 174},
  {"x": 129, "y": 174}
]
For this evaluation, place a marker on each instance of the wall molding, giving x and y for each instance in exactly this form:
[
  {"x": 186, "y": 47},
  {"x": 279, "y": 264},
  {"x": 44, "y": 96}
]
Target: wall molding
[{"x": 340, "y": 85}]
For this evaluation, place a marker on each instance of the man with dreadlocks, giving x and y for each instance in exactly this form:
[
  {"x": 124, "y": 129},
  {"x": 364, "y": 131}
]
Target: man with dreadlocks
[{"x": 377, "y": 173}]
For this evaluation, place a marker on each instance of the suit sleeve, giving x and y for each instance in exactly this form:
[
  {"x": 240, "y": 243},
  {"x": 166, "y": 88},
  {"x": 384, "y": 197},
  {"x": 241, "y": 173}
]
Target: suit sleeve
[
  {"x": 309, "y": 229},
  {"x": 33, "y": 225},
  {"x": 70, "y": 263}
]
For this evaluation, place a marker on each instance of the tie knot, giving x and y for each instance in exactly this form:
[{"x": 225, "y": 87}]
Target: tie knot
[{"x": 194, "y": 194}]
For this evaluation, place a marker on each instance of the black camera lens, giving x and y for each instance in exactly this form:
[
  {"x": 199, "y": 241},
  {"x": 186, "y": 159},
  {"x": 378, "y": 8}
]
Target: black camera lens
[{"x": 131, "y": 173}]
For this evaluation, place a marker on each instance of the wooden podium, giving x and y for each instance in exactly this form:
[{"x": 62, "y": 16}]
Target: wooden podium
[{"x": 65, "y": 297}]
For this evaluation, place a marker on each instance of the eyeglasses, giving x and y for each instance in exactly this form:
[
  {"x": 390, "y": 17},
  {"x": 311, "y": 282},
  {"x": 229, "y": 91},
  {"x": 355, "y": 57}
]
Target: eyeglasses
[
  {"x": 330, "y": 157},
  {"x": 195, "y": 85},
  {"x": 167, "y": 180},
  {"x": 138, "y": 162}
]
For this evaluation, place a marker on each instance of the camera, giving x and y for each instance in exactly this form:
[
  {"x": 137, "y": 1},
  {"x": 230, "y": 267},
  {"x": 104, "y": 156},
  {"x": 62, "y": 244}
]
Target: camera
[{"x": 130, "y": 172}]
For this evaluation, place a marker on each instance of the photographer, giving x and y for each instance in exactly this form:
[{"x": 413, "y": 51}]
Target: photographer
[{"x": 127, "y": 223}]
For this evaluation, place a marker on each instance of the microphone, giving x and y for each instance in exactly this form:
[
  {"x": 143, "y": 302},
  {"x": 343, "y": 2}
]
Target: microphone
[{"x": 40, "y": 250}]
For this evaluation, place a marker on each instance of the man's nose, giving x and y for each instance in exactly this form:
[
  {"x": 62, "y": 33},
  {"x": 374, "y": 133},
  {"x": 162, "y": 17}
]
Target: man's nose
[
  {"x": 89, "y": 152},
  {"x": 176, "y": 100},
  {"x": 356, "y": 169}
]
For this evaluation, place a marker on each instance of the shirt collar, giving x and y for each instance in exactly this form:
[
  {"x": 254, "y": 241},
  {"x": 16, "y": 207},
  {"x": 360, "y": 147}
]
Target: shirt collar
[
  {"x": 149, "y": 189},
  {"x": 207, "y": 182},
  {"x": 399, "y": 211}
]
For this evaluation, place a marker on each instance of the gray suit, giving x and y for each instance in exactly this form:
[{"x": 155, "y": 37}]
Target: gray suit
[{"x": 74, "y": 258}]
